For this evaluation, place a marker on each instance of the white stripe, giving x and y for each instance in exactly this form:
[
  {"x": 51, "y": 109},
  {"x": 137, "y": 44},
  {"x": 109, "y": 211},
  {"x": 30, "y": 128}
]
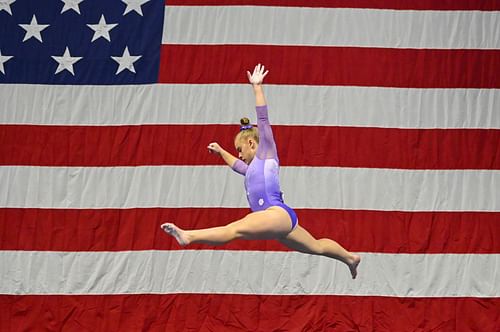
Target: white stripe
[
  {"x": 331, "y": 27},
  {"x": 217, "y": 186},
  {"x": 226, "y": 104},
  {"x": 277, "y": 273}
]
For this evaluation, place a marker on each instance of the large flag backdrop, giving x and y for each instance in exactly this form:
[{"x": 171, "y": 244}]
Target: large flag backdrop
[{"x": 387, "y": 119}]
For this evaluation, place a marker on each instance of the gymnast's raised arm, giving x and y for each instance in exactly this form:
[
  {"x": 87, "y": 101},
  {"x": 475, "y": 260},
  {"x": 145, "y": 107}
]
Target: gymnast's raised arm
[
  {"x": 256, "y": 78},
  {"x": 267, "y": 146}
]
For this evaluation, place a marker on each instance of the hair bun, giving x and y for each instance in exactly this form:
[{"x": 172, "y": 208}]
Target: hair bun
[{"x": 245, "y": 121}]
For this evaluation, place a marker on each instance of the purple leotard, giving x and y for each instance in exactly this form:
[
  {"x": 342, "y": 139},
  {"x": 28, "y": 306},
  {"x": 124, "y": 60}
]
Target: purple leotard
[{"x": 262, "y": 175}]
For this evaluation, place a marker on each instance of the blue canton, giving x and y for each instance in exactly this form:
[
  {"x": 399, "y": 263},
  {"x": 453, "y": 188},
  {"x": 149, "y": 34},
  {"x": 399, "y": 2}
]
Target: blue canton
[{"x": 95, "y": 42}]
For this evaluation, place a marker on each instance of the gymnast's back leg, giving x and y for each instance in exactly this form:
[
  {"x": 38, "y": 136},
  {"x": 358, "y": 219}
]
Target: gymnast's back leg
[{"x": 301, "y": 240}]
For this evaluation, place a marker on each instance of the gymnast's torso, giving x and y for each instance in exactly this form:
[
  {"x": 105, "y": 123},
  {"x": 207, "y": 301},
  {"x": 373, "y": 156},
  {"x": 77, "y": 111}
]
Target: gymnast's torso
[{"x": 262, "y": 183}]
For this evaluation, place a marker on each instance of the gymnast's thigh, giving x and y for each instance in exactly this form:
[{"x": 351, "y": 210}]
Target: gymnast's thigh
[{"x": 267, "y": 224}]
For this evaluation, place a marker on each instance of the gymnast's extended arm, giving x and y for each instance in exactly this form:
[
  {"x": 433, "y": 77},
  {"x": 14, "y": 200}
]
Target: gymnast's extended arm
[{"x": 228, "y": 158}]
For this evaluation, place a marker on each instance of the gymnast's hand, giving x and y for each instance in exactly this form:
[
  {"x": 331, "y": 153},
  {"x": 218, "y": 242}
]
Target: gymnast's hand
[
  {"x": 214, "y": 148},
  {"x": 258, "y": 75}
]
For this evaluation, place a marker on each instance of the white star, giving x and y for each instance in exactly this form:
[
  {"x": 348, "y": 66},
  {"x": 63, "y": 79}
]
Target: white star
[
  {"x": 4, "y": 59},
  {"x": 71, "y": 4},
  {"x": 126, "y": 61},
  {"x": 134, "y": 5},
  {"x": 33, "y": 29},
  {"x": 5, "y": 5},
  {"x": 66, "y": 62},
  {"x": 102, "y": 29}
]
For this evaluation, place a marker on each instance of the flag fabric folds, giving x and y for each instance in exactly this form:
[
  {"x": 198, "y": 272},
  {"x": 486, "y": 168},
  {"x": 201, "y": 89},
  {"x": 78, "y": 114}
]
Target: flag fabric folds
[{"x": 386, "y": 117}]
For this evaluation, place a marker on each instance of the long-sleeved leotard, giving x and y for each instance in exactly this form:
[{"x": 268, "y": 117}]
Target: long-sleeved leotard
[{"x": 262, "y": 175}]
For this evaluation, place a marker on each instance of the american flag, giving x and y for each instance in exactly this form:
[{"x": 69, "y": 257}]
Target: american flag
[{"x": 387, "y": 119}]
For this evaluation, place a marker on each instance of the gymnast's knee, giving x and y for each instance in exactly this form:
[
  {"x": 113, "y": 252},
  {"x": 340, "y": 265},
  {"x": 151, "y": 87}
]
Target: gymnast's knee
[
  {"x": 234, "y": 231},
  {"x": 319, "y": 246}
]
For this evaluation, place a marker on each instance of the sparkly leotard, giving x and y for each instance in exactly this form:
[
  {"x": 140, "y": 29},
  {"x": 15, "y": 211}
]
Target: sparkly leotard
[{"x": 262, "y": 175}]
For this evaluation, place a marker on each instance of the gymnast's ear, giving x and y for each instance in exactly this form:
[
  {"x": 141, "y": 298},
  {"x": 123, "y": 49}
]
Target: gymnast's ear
[{"x": 252, "y": 143}]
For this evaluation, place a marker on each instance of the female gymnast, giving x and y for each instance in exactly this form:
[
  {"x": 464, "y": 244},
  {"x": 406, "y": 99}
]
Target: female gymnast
[{"x": 271, "y": 218}]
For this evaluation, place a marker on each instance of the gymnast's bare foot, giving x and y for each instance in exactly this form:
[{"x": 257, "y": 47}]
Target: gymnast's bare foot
[
  {"x": 353, "y": 266},
  {"x": 179, "y": 234}
]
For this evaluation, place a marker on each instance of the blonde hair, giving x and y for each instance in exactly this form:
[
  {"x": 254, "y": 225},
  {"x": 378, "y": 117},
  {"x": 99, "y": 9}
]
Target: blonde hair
[{"x": 247, "y": 133}]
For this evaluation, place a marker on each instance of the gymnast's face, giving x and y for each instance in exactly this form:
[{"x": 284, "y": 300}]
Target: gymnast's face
[{"x": 246, "y": 149}]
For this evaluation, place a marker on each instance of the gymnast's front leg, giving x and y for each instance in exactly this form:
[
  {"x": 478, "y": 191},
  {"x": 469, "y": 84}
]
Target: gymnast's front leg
[{"x": 272, "y": 223}]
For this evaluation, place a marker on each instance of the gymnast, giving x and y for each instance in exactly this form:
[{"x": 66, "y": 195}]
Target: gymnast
[{"x": 270, "y": 217}]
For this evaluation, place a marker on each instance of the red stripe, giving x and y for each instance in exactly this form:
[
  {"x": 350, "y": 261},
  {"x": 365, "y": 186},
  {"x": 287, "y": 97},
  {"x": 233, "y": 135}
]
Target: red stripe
[
  {"x": 353, "y": 66},
  {"x": 375, "y": 4},
  {"x": 209, "y": 312},
  {"x": 138, "y": 229},
  {"x": 298, "y": 146}
]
